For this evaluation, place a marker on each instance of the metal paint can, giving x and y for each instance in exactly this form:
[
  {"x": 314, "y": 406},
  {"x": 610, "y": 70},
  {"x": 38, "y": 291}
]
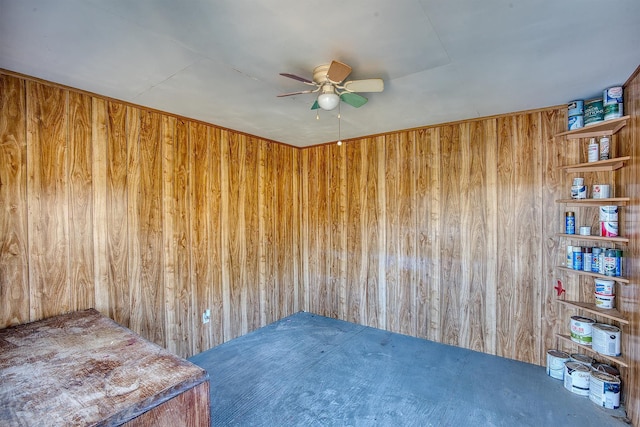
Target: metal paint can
[
  {"x": 585, "y": 230},
  {"x": 604, "y": 301},
  {"x": 593, "y": 111},
  {"x": 608, "y": 228},
  {"x": 619, "y": 258},
  {"x": 576, "y": 378},
  {"x": 600, "y": 191},
  {"x": 604, "y": 390},
  {"x": 613, "y": 111},
  {"x": 555, "y": 363},
  {"x": 582, "y": 358},
  {"x": 606, "y": 339},
  {"x": 608, "y": 213},
  {"x": 605, "y": 286},
  {"x": 575, "y": 122},
  {"x": 581, "y": 329}
]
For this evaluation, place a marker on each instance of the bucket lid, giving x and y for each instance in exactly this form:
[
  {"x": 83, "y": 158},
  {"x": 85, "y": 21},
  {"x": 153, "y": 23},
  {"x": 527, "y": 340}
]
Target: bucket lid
[
  {"x": 603, "y": 376},
  {"x": 582, "y": 358},
  {"x": 577, "y": 366},
  {"x": 558, "y": 353},
  {"x": 606, "y": 328}
]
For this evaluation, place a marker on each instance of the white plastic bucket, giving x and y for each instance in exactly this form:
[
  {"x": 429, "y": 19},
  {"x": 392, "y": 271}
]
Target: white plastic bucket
[
  {"x": 605, "y": 286},
  {"x": 604, "y": 301}
]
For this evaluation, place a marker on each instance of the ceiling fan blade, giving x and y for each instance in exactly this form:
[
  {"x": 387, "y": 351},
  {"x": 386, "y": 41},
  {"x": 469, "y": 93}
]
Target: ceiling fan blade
[
  {"x": 353, "y": 99},
  {"x": 367, "y": 85},
  {"x": 296, "y": 93},
  {"x": 300, "y": 79},
  {"x": 338, "y": 71},
  {"x": 315, "y": 105}
]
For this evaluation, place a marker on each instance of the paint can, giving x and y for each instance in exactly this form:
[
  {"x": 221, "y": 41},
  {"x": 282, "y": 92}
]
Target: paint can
[
  {"x": 593, "y": 111},
  {"x": 555, "y": 363},
  {"x": 585, "y": 230},
  {"x": 608, "y": 228},
  {"x": 604, "y": 301},
  {"x": 607, "y": 369},
  {"x": 608, "y": 213},
  {"x": 600, "y": 191},
  {"x": 604, "y": 390},
  {"x": 606, "y": 339},
  {"x": 612, "y": 103},
  {"x": 581, "y": 329},
  {"x": 581, "y": 358},
  {"x": 605, "y": 286},
  {"x": 577, "y": 377}
]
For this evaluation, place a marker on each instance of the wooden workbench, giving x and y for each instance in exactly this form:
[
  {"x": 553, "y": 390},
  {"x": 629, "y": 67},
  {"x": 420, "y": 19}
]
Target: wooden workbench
[{"x": 83, "y": 368}]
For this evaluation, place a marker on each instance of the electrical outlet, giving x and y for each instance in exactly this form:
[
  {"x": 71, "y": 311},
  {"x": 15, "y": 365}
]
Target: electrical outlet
[{"x": 206, "y": 316}]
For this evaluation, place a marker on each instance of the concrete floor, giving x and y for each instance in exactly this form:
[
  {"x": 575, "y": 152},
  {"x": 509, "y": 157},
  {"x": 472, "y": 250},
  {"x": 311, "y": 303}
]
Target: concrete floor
[{"x": 309, "y": 370}]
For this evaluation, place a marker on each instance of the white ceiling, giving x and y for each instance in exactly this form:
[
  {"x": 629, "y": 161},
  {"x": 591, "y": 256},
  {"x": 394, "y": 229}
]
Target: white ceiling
[{"x": 219, "y": 61}]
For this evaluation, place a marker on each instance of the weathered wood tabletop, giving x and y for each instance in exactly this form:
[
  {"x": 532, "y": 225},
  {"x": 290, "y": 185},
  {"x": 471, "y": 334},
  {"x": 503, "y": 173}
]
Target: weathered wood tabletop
[{"x": 82, "y": 368}]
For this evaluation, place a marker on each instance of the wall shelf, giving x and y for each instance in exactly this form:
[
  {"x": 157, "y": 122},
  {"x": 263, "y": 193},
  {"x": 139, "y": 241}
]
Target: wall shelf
[
  {"x": 606, "y": 128},
  {"x": 609, "y": 313},
  {"x": 619, "y": 360},
  {"x": 595, "y": 238},
  {"x": 599, "y": 166},
  {"x": 618, "y": 279},
  {"x": 617, "y": 201}
]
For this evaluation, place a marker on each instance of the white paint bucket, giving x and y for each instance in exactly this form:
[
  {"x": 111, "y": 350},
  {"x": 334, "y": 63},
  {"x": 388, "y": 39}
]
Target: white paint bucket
[
  {"x": 604, "y": 390},
  {"x": 576, "y": 378},
  {"x": 605, "y": 287},
  {"x": 555, "y": 363},
  {"x": 606, "y": 339},
  {"x": 608, "y": 213},
  {"x": 604, "y": 301},
  {"x": 582, "y": 359},
  {"x": 581, "y": 329}
]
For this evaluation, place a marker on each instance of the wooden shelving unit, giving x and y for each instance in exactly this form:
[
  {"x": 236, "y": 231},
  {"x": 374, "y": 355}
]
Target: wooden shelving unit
[
  {"x": 595, "y": 238},
  {"x": 619, "y": 279},
  {"x": 599, "y": 166},
  {"x": 609, "y": 313},
  {"x": 618, "y": 201},
  {"x": 619, "y": 360},
  {"x": 606, "y": 128}
]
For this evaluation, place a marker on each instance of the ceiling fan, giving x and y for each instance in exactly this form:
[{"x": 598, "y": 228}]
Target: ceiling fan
[{"x": 328, "y": 82}]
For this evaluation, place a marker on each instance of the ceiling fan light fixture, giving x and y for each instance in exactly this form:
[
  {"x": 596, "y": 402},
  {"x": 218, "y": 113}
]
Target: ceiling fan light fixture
[{"x": 328, "y": 101}]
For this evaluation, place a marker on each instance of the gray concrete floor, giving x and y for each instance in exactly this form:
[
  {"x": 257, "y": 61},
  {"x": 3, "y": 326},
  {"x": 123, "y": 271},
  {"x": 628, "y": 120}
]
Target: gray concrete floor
[{"x": 309, "y": 370}]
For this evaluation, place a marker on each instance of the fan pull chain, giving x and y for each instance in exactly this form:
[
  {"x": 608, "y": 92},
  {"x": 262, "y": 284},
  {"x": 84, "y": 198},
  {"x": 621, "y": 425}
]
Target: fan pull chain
[{"x": 339, "y": 139}]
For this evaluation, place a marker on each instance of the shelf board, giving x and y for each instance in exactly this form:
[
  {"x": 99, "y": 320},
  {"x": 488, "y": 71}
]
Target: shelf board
[
  {"x": 599, "y": 166},
  {"x": 609, "y": 313},
  {"x": 617, "y": 201},
  {"x": 619, "y": 360},
  {"x": 596, "y": 238},
  {"x": 618, "y": 279},
  {"x": 605, "y": 128}
]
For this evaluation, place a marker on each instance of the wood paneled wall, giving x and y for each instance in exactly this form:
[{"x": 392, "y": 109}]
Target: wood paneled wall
[
  {"x": 148, "y": 217},
  {"x": 445, "y": 232}
]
